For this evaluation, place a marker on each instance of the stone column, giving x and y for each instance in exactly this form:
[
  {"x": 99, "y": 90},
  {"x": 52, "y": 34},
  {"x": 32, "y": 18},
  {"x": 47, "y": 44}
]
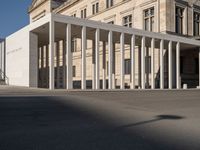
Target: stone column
[
  {"x": 97, "y": 36},
  {"x": 178, "y": 80},
  {"x": 45, "y": 63},
  {"x": 133, "y": 62},
  {"x": 143, "y": 62},
  {"x": 122, "y": 60},
  {"x": 51, "y": 54},
  {"x": 58, "y": 64},
  {"x": 162, "y": 64},
  {"x": 113, "y": 66},
  {"x": 42, "y": 66},
  {"x": 147, "y": 69},
  {"x": 68, "y": 57},
  {"x": 83, "y": 68},
  {"x": 64, "y": 63},
  {"x": 170, "y": 65},
  {"x": 139, "y": 66},
  {"x": 152, "y": 63},
  {"x": 199, "y": 67},
  {"x": 93, "y": 65},
  {"x": 110, "y": 59},
  {"x": 104, "y": 65}
]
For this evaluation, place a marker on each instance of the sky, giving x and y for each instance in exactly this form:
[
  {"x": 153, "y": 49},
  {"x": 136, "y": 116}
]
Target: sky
[{"x": 13, "y": 16}]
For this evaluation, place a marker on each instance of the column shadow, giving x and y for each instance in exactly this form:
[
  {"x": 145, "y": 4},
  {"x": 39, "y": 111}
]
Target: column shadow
[{"x": 156, "y": 119}]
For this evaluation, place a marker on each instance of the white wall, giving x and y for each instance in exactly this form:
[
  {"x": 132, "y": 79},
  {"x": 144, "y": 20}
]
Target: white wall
[
  {"x": 18, "y": 57},
  {"x": 2, "y": 58},
  {"x": 33, "y": 70}
]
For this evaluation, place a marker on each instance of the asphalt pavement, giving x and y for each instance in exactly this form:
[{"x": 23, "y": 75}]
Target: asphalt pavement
[{"x": 39, "y": 119}]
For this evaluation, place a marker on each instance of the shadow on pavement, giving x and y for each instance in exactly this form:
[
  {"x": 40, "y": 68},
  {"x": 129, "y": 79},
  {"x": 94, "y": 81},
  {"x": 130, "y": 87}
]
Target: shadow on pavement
[
  {"x": 46, "y": 123},
  {"x": 157, "y": 118}
]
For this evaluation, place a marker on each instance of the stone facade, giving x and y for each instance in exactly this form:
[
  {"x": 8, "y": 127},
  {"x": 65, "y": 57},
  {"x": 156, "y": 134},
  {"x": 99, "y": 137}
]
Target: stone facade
[{"x": 164, "y": 21}]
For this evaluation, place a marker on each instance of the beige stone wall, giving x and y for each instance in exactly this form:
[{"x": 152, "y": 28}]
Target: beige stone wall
[
  {"x": 164, "y": 22},
  {"x": 41, "y": 10}
]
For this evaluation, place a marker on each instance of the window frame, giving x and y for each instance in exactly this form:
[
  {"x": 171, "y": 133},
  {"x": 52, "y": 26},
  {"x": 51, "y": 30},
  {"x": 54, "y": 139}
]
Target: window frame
[
  {"x": 84, "y": 13},
  {"x": 127, "y": 22},
  {"x": 179, "y": 31},
  {"x": 150, "y": 19},
  {"x": 95, "y": 8},
  {"x": 109, "y": 3},
  {"x": 74, "y": 71},
  {"x": 194, "y": 23}
]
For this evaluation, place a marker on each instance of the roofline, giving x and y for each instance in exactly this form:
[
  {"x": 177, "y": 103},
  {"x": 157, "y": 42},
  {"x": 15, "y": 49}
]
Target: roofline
[
  {"x": 31, "y": 8},
  {"x": 65, "y": 5}
]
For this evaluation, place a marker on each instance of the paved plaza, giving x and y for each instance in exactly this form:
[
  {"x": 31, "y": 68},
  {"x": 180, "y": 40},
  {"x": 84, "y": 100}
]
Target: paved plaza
[{"x": 38, "y": 119}]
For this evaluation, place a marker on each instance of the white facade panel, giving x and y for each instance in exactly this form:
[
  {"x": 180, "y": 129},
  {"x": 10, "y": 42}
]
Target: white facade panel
[{"x": 17, "y": 57}]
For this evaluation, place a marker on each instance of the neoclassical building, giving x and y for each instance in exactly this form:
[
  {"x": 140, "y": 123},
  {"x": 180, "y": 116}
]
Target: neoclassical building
[{"x": 107, "y": 44}]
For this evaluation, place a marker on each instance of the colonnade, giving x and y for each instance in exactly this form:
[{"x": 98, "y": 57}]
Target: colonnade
[{"x": 96, "y": 71}]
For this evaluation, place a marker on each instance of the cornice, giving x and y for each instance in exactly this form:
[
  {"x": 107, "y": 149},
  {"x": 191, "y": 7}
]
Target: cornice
[
  {"x": 31, "y": 8},
  {"x": 66, "y": 5}
]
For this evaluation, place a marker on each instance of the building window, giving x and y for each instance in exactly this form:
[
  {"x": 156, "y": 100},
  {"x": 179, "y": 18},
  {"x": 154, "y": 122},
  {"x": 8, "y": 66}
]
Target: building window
[
  {"x": 74, "y": 45},
  {"x": 73, "y": 15},
  {"x": 149, "y": 19},
  {"x": 109, "y": 3},
  {"x": 196, "y": 65},
  {"x": 196, "y": 24},
  {"x": 95, "y": 8},
  {"x": 179, "y": 20},
  {"x": 127, "y": 21},
  {"x": 74, "y": 71},
  {"x": 84, "y": 13},
  {"x": 110, "y": 22},
  {"x": 127, "y": 66}
]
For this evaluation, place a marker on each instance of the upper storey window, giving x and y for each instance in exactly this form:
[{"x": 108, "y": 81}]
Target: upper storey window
[
  {"x": 95, "y": 8},
  {"x": 196, "y": 24},
  {"x": 127, "y": 21},
  {"x": 179, "y": 20},
  {"x": 73, "y": 15},
  {"x": 109, "y": 3},
  {"x": 149, "y": 19},
  {"x": 110, "y": 22},
  {"x": 84, "y": 13}
]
